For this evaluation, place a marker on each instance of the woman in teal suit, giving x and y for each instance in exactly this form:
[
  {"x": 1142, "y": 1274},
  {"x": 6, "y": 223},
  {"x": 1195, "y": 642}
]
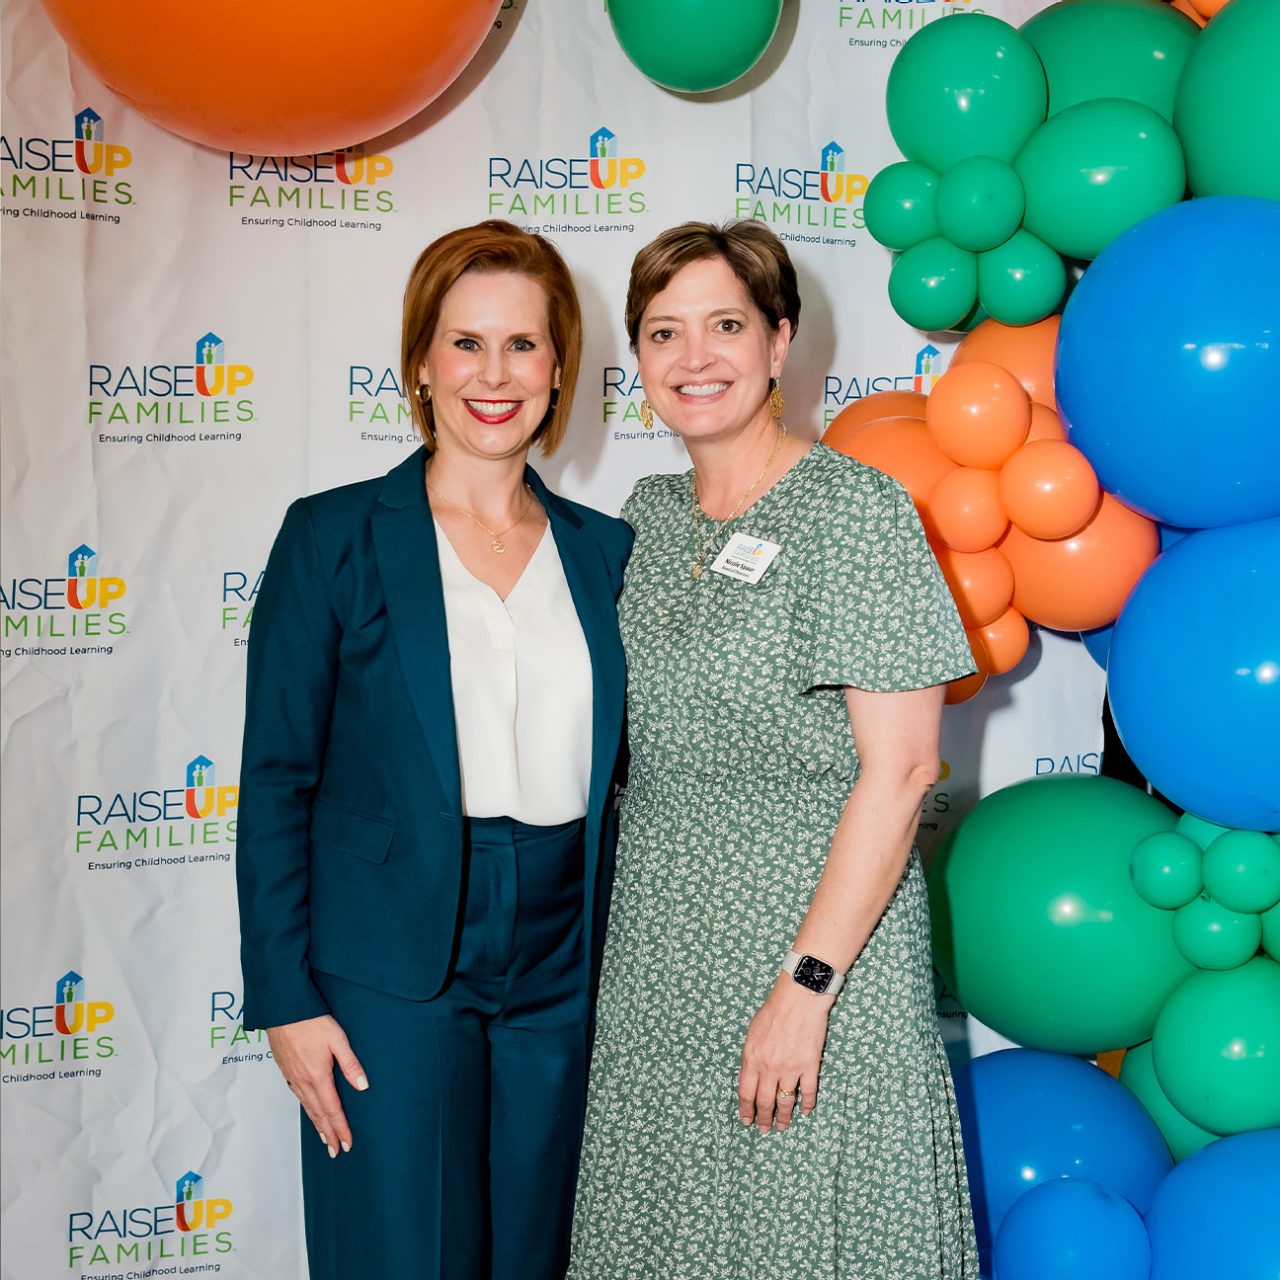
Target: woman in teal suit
[{"x": 435, "y": 704}]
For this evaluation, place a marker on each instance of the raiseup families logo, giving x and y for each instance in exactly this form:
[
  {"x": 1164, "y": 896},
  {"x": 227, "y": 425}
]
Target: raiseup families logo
[
  {"x": 64, "y": 177},
  {"x": 193, "y": 1225},
  {"x": 65, "y": 1039}
]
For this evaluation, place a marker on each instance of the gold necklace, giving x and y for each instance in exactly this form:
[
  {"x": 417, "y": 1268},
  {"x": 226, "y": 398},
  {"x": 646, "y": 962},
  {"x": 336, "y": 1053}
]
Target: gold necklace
[
  {"x": 497, "y": 546},
  {"x": 720, "y": 525}
]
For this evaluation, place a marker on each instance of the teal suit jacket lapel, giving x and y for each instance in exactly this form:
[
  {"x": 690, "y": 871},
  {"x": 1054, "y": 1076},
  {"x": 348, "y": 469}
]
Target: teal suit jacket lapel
[{"x": 404, "y": 543}]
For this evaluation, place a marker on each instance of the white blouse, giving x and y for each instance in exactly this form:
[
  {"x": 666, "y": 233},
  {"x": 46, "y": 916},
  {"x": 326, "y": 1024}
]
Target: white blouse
[{"x": 522, "y": 692}]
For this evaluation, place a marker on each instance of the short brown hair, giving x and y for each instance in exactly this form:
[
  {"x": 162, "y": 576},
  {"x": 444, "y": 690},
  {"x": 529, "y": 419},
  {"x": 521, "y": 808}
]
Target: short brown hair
[
  {"x": 490, "y": 247},
  {"x": 754, "y": 254}
]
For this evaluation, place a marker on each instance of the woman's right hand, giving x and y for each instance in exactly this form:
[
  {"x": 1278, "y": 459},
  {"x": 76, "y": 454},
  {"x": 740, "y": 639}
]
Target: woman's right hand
[{"x": 305, "y": 1053}]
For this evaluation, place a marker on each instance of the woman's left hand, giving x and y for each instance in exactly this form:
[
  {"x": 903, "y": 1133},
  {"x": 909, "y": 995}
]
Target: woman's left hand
[{"x": 782, "y": 1055}]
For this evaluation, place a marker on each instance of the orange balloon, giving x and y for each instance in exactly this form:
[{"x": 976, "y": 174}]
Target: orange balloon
[
  {"x": 1049, "y": 489},
  {"x": 970, "y": 686},
  {"x": 1185, "y": 6},
  {"x": 1078, "y": 583},
  {"x": 1006, "y": 640},
  {"x": 965, "y": 511},
  {"x": 903, "y": 449},
  {"x": 1025, "y": 350},
  {"x": 979, "y": 414},
  {"x": 279, "y": 79},
  {"x": 981, "y": 583},
  {"x": 880, "y": 404},
  {"x": 1045, "y": 424}
]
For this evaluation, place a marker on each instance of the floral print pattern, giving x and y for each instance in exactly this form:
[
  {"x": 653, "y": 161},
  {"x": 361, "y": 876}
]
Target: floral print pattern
[{"x": 742, "y": 760}]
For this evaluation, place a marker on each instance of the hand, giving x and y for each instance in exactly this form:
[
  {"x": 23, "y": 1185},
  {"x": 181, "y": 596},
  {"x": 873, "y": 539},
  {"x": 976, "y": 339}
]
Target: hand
[
  {"x": 305, "y": 1053},
  {"x": 782, "y": 1053}
]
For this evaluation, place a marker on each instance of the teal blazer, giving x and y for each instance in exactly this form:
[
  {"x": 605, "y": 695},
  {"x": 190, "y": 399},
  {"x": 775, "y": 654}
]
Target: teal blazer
[{"x": 349, "y": 853}]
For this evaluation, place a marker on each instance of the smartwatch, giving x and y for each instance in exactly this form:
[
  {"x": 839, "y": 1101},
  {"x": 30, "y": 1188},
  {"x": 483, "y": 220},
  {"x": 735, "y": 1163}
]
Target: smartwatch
[{"x": 813, "y": 974}]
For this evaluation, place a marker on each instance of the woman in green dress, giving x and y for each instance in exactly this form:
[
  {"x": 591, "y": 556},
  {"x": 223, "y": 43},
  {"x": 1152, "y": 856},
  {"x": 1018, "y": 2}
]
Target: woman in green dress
[{"x": 769, "y": 1095}]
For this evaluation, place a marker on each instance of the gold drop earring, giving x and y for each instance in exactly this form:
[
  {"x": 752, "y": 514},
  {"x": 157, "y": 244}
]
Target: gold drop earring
[
  {"x": 777, "y": 402},
  {"x": 646, "y": 415}
]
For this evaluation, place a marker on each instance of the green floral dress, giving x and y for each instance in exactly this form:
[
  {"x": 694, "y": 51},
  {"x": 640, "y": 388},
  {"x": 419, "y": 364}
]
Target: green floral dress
[{"x": 742, "y": 759}]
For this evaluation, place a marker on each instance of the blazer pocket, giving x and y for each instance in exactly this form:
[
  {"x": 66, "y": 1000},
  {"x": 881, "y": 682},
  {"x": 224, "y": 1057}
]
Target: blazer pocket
[{"x": 360, "y": 834}]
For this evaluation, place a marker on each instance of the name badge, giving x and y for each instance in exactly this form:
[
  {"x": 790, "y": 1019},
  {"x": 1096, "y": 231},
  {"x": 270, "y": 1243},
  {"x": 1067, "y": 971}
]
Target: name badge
[{"x": 745, "y": 558}]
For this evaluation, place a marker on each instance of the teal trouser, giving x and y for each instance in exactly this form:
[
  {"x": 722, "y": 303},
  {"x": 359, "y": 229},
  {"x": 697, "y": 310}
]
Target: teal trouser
[{"x": 465, "y": 1146}]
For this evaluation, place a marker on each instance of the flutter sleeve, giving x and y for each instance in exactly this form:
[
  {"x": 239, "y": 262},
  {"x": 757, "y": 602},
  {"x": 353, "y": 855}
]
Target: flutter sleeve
[{"x": 883, "y": 617}]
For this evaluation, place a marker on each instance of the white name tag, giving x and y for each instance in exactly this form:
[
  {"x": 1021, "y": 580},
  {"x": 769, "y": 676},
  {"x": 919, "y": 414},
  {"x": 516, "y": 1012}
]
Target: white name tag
[{"x": 745, "y": 558}]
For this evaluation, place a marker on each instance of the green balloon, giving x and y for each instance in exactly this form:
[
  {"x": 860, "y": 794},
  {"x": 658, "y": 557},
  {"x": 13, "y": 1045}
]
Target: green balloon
[
  {"x": 1212, "y": 936},
  {"x": 1228, "y": 103},
  {"x": 965, "y": 88},
  {"x": 1133, "y": 49},
  {"x": 980, "y": 203},
  {"x": 1271, "y": 932},
  {"x": 1045, "y": 939},
  {"x": 1242, "y": 870},
  {"x": 933, "y": 285},
  {"x": 1165, "y": 869},
  {"x": 694, "y": 46},
  {"x": 1138, "y": 1075},
  {"x": 1217, "y": 1048},
  {"x": 899, "y": 205},
  {"x": 1022, "y": 280},
  {"x": 1094, "y": 170},
  {"x": 1201, "y": 830}
]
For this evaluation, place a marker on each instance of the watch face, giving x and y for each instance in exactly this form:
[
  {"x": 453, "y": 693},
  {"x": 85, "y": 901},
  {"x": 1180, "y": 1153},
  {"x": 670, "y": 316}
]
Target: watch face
[{"x": 814, "y": 974}]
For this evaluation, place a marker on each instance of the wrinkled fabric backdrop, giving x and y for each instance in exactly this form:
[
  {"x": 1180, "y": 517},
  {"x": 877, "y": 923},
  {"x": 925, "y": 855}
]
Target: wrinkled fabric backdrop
[{"x": 192, "y": 339}]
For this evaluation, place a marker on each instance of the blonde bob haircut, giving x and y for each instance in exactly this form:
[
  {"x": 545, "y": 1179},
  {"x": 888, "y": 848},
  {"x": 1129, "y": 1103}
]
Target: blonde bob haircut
[
  {"x": 488, "y": 248},
  {"x": 753, "y": 253}
]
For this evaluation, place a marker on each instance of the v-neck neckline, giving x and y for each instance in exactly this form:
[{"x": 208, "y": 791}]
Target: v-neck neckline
[{"x": 442, "y": 534}]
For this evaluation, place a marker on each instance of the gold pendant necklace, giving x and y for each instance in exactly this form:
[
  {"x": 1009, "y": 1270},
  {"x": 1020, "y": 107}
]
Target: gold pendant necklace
[
  {"x": 704, "y": 548},
  {"x": 496, "y": 544}
]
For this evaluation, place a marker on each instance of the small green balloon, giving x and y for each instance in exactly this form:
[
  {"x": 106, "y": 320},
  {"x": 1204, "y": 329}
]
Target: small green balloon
[
  {"x": 1138, "y": 1075},
  {"x": 1022, "y": 280},
  {"x": 899, "y": 206},
  {"x": 965, "y": 88},
  {"x": 980, "y": 203},
  {"x": 1228, "y": 103},
  {"x": 1242, "y": 870},
  {"x": 1165, "y": 869},
  {"x": 1201, "y": 830},
  {"x": 1044, "y": 937},
  {"x": 1271, "y": 932},
  {"x": 933, "y": 285},
  {"x": 694, "y": 46},
  {"x": 1212, "y": 936},
  {"x": 1133, "y": 49},
  {"x": 1217, "y": 1048},
  {"x": 1094, "y": 170}
]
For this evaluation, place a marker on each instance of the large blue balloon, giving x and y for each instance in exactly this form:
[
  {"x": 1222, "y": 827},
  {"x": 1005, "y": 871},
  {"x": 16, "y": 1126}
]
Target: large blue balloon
[
  {"x": 1030, "y": 1116},
  {"x": 1194, "y": 675},
  {"x": 1169, "y": 360},
  {"x": 1072, "y": 1229},
  {"x": 1215, "y": 1214}
]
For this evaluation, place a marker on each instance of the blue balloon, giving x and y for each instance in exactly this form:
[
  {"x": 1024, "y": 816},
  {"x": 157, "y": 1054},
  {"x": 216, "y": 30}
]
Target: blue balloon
[
  {"x": 1215, "y": 1214},
  {"x": 1098, "y": 643},
  {"x": 1072, "y": 1229},
  {"x": 1030, "y": 1116},
  {"x": 1194, "y": 675},
  {"x": 1168, "y": 363}
]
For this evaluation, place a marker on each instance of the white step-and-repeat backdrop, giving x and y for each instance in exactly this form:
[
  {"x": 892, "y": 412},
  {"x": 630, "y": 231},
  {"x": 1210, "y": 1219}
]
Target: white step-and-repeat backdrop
[{"x": 193, "y": 338}]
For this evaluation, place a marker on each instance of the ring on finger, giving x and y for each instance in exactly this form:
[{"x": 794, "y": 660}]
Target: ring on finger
[{"x": 787, "y": 1095}]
